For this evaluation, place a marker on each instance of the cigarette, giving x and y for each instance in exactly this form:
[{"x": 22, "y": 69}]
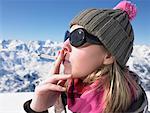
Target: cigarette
[{"x": 47, "y": 56}]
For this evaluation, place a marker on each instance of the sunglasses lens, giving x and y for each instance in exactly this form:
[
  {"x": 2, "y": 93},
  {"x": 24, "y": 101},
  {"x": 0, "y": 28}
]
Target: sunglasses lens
[
  {"x": 67, "y": 33},
  {"x": 77, "y": 38}
]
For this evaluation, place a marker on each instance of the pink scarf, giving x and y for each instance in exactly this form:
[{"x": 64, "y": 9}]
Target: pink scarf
[{"x": 83, "y": 98}]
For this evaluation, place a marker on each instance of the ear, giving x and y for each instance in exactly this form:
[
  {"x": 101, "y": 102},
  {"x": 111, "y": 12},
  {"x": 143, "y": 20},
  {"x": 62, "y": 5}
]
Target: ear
[{"x": 108, "y": 59}]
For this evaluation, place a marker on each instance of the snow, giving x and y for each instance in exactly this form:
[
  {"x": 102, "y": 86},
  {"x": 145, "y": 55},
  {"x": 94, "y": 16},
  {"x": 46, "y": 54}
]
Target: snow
[
  {"x": 13, "y": 102},
  {"x": 139, "y": 62},
  {"x": 148, "y": 97},
  {"x": 21, "y": 60}
]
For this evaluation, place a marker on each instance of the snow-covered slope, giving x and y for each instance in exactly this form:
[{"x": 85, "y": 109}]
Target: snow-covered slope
[{"x": 13, "y": 102}]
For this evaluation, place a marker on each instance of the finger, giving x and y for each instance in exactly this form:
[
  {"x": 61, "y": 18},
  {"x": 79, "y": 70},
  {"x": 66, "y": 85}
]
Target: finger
[
  {"x": 60, "y": 57},
  {"x": 57, "y": 54},
  {"x": 56, "y": 78},
  {"x": 56, "y": 67},
  {"x": 50, "y": 87}
]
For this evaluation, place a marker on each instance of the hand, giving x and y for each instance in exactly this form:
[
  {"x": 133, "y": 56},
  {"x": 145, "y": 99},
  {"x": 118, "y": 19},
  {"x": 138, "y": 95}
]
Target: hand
[{"x": 49, "y": 90}]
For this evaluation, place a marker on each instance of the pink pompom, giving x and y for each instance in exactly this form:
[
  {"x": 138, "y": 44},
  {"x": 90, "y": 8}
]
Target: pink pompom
[{"x": 129, "y": 7}]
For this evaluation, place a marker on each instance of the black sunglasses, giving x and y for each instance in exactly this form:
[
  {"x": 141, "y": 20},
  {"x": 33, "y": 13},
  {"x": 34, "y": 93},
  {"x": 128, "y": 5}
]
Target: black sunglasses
[{"x": 80, "y": 36}]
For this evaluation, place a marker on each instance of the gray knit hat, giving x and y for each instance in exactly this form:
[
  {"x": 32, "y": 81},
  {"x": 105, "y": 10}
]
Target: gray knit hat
[{"x": 112, "y": 27}]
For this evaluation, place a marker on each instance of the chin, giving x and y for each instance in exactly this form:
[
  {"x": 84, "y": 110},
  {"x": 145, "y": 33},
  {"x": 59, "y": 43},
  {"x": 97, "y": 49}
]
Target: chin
[
  {"x": 77, "y": 75},
  {"x": 80, "y": 73}
]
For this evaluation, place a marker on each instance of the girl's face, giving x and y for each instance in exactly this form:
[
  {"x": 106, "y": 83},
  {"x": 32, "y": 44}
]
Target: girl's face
[{"x": 81, "y": 61}]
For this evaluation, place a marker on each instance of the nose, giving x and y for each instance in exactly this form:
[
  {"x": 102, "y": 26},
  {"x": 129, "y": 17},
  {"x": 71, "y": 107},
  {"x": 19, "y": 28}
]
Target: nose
[{"x": 67, "y": 46}]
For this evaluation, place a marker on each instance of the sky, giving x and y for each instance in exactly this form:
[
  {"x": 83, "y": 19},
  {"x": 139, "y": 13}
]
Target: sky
[{"x": 49, "y": 19}]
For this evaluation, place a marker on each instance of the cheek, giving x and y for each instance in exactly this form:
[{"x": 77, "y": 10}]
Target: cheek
[{"x": 84, "y": 62}]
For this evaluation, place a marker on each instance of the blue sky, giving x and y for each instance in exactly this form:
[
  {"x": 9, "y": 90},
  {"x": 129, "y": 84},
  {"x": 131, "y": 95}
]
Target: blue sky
[{"x": 49, "y": 19}]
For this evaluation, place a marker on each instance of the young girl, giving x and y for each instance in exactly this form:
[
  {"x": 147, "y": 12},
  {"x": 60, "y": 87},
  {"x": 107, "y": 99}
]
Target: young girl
[{"x": 94, "y": 56}]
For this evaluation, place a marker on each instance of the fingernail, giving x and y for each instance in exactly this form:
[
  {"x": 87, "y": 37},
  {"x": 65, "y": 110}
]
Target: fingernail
[
  {"x": 62, "y": 50},
  {"x": 58, "y": 52}
]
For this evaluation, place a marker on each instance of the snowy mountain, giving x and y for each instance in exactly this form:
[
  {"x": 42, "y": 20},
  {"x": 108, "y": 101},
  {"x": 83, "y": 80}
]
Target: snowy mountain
[
  {"x": 139, "y": 63},
  {"x": 22, "y": 65}
]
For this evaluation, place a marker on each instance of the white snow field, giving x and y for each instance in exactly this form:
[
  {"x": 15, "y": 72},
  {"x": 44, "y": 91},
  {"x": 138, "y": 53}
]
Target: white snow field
[{"x": 13, "y": 102}]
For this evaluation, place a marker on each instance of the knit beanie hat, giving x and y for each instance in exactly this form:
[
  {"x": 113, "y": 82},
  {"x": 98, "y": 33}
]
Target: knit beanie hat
[{"x": 112, "y": 27}]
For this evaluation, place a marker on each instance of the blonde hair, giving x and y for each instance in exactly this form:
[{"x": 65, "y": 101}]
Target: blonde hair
[{"x": 120, "y": 89}]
